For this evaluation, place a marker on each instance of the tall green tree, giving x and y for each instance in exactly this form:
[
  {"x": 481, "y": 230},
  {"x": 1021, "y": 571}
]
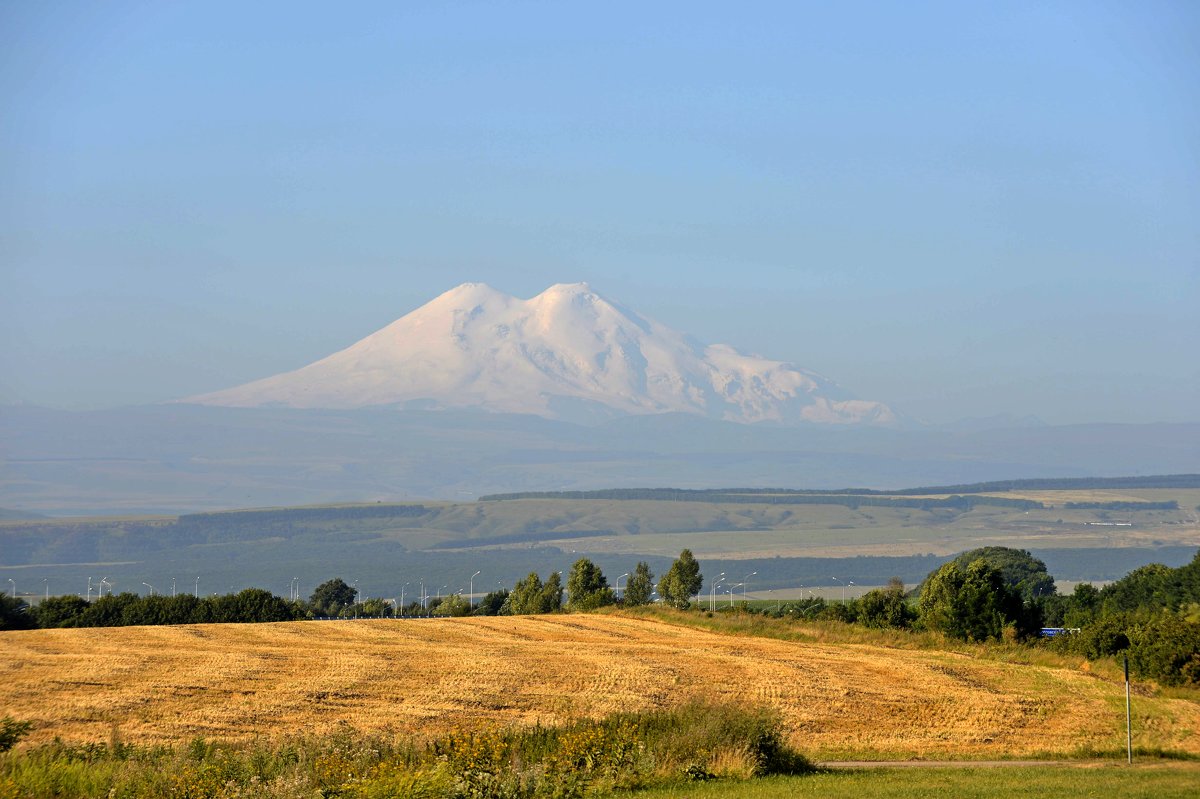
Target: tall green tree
[
  {"x": 682, "y": 581},
  {"x": 973, "y": 604},
  {"x": 523, "y": 599},
  {"x": 531, "y": 595},
  {"x": 331, "y": 597},
  {"x": 640, "y": 586},
  {"x": 551, "y": 598},
  {"x": 1020, "y": 570},
  {"x": 587, "y": 588}
]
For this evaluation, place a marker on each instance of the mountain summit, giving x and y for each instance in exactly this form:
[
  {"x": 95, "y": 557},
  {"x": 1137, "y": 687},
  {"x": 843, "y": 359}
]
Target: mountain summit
[{"x": 568, "y": 353}]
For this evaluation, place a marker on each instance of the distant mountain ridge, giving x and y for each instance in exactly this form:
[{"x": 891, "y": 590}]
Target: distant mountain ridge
[{"x": 567, "y": 353}]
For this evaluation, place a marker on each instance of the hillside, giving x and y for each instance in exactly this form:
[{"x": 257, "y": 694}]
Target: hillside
[
  {"x": 428, "y": 677},
  {"x": 788, "y": 539}
]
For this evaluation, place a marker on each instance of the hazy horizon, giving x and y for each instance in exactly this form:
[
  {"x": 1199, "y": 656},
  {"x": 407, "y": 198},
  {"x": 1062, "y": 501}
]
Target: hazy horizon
[{"x": 957, "y": 211}]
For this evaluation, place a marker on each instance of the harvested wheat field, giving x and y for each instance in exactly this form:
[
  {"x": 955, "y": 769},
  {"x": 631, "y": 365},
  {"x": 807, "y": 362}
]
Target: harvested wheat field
[{"x": 422, "y": 677}]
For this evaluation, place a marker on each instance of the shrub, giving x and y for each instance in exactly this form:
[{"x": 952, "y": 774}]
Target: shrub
[
  {"x": 12, "y": 731},
  {"x": 585, "y": 758}
]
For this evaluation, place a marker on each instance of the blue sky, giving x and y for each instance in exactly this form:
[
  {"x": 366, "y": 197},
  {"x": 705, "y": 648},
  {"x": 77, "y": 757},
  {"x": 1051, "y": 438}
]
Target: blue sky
[{"x": 960, "y": 210}]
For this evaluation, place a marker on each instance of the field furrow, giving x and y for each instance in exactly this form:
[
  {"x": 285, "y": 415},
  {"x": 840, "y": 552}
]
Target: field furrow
[{"x": 424, "y": 677}]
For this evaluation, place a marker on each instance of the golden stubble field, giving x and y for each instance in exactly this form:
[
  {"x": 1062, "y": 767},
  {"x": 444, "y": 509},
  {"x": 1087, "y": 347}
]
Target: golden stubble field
[{"x": 424, "y": 677}]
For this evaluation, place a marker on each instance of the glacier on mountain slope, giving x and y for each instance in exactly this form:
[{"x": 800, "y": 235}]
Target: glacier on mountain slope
[{"x": 564, "y": 350}]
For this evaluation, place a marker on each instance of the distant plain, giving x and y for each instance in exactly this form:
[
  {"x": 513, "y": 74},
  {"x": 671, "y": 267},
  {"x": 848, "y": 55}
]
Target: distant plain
[{"x": 396, "y": 551}]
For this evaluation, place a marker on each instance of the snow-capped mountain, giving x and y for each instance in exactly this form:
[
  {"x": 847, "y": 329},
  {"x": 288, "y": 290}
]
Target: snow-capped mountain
[{"x": 566, "y": 353}]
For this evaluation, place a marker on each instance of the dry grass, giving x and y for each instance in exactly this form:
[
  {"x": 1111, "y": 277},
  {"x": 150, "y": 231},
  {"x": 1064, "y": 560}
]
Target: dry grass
[{"x": 166, "y": 684}]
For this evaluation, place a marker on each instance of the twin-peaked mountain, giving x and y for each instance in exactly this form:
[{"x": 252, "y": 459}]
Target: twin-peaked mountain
[{"x": 568, "y": 353}]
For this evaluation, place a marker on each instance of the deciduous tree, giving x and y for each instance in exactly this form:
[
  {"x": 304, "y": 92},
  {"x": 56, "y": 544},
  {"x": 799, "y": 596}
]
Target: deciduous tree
[
  {"x": 640, "y": 586},
  {"x": 587, "y": 588},
  {"x": 331, "y": 597},
  {"x": 682, "y": 581},
  {"x": 974, "y": 603}
]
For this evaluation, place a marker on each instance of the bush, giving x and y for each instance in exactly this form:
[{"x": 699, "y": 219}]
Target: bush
[
  {"x": 12, "y": 731},
  {"x": 1166, "y": 648},
  {"x": 585, "y": 758},
  {"x": 1163, "y": 647},
  {"x": 886, "y": 608}
]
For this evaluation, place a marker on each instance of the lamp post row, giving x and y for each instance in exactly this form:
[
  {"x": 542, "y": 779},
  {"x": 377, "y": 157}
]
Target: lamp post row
[{"x": 294, "y": 588}]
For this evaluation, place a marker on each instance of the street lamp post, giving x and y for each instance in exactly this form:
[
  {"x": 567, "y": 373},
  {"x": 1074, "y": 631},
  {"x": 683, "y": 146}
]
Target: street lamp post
[
  {"x": 89, "y": 589},
  {"x": 172, "y": 588},
  {"x": 850, "y": 583},
  {"x": 626, "y": 574},
  {"x": 402, "y": 589},
  {"x": 712, "y": 599},
  {"x": 150, "y": 587},
  {"x": 197, "y": 588},
  {"x": 843, "y": 588},
  {"x": 103, "y": 582},
  {"x": 471, "y": 591},
  {"x": 14, "y": 587},
  {"x": 746, "y": 582}
]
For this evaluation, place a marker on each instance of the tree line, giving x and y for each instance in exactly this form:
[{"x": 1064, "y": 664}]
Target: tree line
[
  {"x": 1152, "y": 614},
  {"x": 780, "y": 497}
]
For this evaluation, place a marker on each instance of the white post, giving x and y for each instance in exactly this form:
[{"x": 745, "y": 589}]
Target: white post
[
  {"x": 745, "y": 582},
  {"x": 197, "y": 588},
  {"x": 712, "y": 599},
  {"x": 471, "y": 591},
  {"x": 626, "y": 574},
  {"x": 1128, "y": 717}
]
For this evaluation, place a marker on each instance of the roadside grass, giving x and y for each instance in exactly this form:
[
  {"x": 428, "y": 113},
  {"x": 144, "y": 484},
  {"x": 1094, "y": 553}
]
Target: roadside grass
[{"x": 1144, "y": 781}]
